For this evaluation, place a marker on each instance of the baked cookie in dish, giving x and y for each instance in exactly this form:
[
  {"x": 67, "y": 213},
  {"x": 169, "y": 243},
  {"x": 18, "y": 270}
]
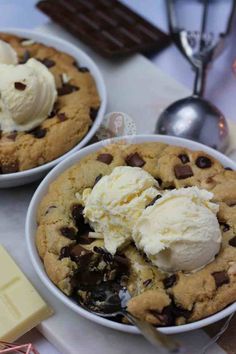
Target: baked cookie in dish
[
  {"x": 48, "y": 103},
  {"x": 157, "y": 219}
]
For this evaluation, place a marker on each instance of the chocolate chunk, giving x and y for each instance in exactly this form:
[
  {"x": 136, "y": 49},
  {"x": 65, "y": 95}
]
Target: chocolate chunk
[
  {"x": 83, "y": 69},
  {"x": 93, "y": 112},
  {"x": 147, "y": 282},
  {"x": 228, "y": 169},
  {"x": 65, "y": 89},
  {"x": 225, "y": 227},
  {"x": 203, "y": 162},
  {"x": 83, "y": 228},
  {"x": 178, "y": 311},
  {"x": 159, "y": 180},
  {"x": 62, "y": 117},
  {"x": 11, "y": 167},
  {"x": 47, "y": 62},
  {"x": 68, "y": 232},
  {"x": 105, "y": 158},
  {"x": 182, "y": 172},
  {"x": 65, "y": 252},
  {"x": 135, "y": 160},
  {"x": 184, "y": 158},
  {"x": 221, "y": 278},
  {"x": 19, "y": 86},
  {"x": 25, "y": 58},
  {"x": 85, "y": 240},
  {"x": 170, "y": 281},
  {"x": 232, "y": 241},
  {"x": 166, "y": 317},
  {"x": 154, "y": 200},
  {"x": 98, "y": 179},
  {"x": 12, "y": 136},
  {"x": 38, "y": 132},
  {"x": 78, "y": 251},
  {"x": 77, "y": 213},
  {"x": 107, "y": 256}
]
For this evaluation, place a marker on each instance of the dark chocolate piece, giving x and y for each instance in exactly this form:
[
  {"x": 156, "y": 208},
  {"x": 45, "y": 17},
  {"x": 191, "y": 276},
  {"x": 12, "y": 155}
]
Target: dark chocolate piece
[
  {"x": 170, "y": 281},
  {"x": 203, "y": 162},
  {"x": 19, "y": 86},
  {"x": 221, "y": 278},
  {"x": 47, "y": 62},
  {"x": 184, "y": 158},
  {"x": 105, "y": 158},
  {"x": 183, "y": 171},
  {"x": 135, "y": 160},
  {"x": 225, "y": 227},
  {"x": 68, "y": 232},
  {"x": 66, "y": 89},
  {"x": 38, "y": 132},
  {"x": 65, "y": 252},
  {"x": 62, "y": 117},
  {"x": 109, "y": 27},
  {"x": 232, "y": 241}
]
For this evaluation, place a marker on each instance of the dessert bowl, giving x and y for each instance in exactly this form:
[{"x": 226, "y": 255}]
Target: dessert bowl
[
  {"x": 33, "y": 174},
  {"x": 31, "y": 226}
]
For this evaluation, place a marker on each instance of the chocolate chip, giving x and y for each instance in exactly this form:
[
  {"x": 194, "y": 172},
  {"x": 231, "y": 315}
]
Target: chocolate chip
[
  {"x": 85, "y": 240},
  {"x": 105, "y": 158},
  {"x": 47, "y": 62},
  {"x": 221, "y": 278},
  {"x": 65, "y": 252},
  {"x": 93, "y": 112},
  {"x": 83, "y": 69},
  {"x": 184, "y": 158},
  {"x": 38, "y": 132},
  {"x": 203, "y": 162},
  {"x": 68, "y": 232},
  {"x": 98, "y": 179},
  {"x": 147, "y": 282},
  {"x": 12, "y": 136},
  {"x": 54, "y": 111},
  {"x": 135, "y": 160},
  {"x": 78, "y": 251},
  {"x": 25, "y": 58},
  {"x": 62, "y": 117},
  {"x": 228, "y": 169},
  {"x": 182, "y": 172},
  {"x": 10, "y": 167},
  {"x": 153, "y": 201},
  {"x": 232, "y": 241},
  {"x": 170, "y": 281},
  {"x": 165, "y": 318},
  {"x": 178, "y": 311},
  {"x": 77, "y": 213},
  {"x": 19, "y": 86},
  {"x": 65, "y": 89},
  {"x": 225, "y": 227}
]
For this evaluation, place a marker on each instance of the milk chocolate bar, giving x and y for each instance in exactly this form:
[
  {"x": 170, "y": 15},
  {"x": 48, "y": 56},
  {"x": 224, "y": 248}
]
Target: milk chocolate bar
[{"x": 108, "y": 26}]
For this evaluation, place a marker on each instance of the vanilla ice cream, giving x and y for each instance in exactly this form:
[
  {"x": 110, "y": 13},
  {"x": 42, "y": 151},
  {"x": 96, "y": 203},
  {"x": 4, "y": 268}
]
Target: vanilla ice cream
[
  {"x": 7, "y": 54},
  {"x": 180, "y": 231},
  {"x": 116, "y": 202},
  {"x": 28, "y": 93}
]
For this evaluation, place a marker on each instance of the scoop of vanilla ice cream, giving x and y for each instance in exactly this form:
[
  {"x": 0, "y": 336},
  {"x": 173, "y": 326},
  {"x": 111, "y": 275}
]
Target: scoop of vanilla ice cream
[
  {"x": 115, "y": 203},
  {"x": 7, "y": 54},
  {"x": 180, "y": 231},
  {"x": 28, "y": 93}
]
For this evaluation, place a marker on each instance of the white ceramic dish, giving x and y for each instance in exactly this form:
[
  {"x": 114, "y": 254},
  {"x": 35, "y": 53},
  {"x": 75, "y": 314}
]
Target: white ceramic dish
[
  {"x": 28, "y": 176},
  {"x": 41, "y": 191}
]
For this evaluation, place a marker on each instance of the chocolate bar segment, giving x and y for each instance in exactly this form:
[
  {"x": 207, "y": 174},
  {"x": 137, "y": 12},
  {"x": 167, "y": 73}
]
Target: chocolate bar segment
[{"x": 108, "y": 26}]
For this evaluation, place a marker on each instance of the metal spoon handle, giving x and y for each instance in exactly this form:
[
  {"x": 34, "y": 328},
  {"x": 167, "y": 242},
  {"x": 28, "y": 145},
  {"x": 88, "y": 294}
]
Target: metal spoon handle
[{"x": 164, "y": 343}]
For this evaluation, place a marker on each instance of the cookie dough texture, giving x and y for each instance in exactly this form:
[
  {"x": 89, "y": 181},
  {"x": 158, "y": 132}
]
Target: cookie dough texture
[
  {"x": 159, "y": 297},
  {"x": 70, "y": 119}
]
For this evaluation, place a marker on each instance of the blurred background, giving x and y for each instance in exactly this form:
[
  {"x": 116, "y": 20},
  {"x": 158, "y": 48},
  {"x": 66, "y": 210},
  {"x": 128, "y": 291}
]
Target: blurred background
[{"x": 221, "y": 81}]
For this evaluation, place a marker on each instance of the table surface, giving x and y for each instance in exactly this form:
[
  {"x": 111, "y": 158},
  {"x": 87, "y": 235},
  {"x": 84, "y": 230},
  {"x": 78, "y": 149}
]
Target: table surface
[{"x": 220, "y": 89}]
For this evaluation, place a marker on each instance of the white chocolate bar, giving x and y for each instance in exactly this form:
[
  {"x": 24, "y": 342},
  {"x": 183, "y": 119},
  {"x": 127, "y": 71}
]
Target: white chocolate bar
[{"x": 21, "y": 307}]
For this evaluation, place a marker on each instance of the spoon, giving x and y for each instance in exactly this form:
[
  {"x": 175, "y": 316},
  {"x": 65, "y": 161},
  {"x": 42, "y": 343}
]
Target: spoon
[
  {"x": 114, "y": 304},
  {"x": 193, "y": 117}
]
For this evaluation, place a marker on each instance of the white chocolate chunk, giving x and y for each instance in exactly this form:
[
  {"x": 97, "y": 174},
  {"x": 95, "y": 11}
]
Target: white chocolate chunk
[{"x": 21, "y": 307}]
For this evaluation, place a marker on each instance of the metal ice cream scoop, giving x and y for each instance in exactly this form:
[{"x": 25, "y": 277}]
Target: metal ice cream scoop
[{"x": 194, "y": 117}]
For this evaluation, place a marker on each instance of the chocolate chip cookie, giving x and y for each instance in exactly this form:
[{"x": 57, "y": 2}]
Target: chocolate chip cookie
[
  {"x": 77, "y": 262},
  {"x": 73, "y": 114}
]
